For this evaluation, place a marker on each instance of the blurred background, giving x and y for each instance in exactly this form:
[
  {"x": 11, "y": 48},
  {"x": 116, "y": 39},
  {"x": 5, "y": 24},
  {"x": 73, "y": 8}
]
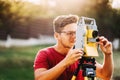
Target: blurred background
[{"x": 26, "y": 27}]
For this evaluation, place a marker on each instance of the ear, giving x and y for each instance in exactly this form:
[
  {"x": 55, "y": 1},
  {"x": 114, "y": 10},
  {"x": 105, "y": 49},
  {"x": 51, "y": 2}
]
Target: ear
[{"x": 56, "y": 35}]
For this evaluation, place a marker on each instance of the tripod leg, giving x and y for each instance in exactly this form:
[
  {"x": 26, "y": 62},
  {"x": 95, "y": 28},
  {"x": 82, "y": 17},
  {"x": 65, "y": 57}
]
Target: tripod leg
[
  {"x": 95, "y": 78},
  {"x": 86, "y": 78},
  {"x": 76, "y": 73},
  {"x": 73, "y": 77}
]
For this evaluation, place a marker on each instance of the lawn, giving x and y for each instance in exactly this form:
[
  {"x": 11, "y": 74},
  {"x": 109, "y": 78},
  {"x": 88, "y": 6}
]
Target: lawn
[{"x": 16, "y": 63}]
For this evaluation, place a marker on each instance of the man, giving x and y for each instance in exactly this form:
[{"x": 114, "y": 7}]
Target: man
[{"x": 59, "y": 62}]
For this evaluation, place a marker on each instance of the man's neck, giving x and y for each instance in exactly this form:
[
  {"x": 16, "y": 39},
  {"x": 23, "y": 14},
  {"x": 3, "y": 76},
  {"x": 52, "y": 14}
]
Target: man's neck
[{"x": 61, "y": 49}]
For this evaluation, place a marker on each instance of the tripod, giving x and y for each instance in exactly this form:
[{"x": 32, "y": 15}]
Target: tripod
[{"x": 87, "y": 65}]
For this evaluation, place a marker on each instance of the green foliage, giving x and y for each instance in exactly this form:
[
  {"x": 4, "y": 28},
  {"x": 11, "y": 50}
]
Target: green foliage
[
  {"x": 116, "y": 23},
  {"x": 13, "y": 12},
  {"x": 8, "y": 17},
  {"x": 106, "y": 17},
  {"x": 4, "y": 9}
]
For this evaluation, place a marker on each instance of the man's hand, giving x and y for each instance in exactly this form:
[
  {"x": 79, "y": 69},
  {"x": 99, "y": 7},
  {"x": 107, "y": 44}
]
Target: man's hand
[
  {"x": 73, "y": 55},
  {"x": 105, "y": 45},
  {"x": 105, "y": 70}
]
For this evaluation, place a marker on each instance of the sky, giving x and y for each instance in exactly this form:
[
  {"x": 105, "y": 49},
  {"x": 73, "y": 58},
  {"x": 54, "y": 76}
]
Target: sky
[{"x": 116, "y": 4}]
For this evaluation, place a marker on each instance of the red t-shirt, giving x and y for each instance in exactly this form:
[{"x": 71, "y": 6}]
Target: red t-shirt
[{"x": 49, "y": 57}]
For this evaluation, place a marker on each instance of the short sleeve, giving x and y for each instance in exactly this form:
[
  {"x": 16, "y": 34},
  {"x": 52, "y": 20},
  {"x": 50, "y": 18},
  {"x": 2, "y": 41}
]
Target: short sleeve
[{"x": 41, "y": 60}]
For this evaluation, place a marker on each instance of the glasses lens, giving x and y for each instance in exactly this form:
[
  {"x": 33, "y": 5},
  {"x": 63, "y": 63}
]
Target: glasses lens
[{"x": 70, "y": 33}]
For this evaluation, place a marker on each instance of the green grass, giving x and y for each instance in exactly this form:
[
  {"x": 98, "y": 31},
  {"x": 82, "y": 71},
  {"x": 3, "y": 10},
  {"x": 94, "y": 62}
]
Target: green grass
[
  {"x": 16, "y": 63},
  {"x": 117, "y": 64}
]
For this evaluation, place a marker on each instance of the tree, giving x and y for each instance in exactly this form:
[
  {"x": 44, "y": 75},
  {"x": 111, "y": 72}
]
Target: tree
[
  {"x": 11, "y": 13},
  {"x": 5, "y": 15}
]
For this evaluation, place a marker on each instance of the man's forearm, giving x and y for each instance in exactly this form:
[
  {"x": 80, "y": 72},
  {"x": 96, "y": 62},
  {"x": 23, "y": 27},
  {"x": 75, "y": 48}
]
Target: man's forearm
[
  {"x": 51, "y": 74},
  {"x": 108, "y": 65}
]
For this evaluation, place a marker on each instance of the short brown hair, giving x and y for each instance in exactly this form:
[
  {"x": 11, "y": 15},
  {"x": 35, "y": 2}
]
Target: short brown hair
[{"x": 61, "y": 21}]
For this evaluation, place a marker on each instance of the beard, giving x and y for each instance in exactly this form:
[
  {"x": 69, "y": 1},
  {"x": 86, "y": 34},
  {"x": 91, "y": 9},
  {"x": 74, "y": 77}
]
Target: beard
[{"x": 67, "y": 45}]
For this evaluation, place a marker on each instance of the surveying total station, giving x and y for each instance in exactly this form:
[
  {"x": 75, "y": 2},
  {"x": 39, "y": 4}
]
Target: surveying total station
[{"x": 86, "y": 37}]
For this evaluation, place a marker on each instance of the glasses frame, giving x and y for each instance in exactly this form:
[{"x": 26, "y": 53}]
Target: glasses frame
[{"x": 69, "y": 33}]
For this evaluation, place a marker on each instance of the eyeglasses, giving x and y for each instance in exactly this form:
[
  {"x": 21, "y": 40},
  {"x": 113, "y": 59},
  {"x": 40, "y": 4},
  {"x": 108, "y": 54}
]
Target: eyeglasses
[{"x": 69, "y": 33}]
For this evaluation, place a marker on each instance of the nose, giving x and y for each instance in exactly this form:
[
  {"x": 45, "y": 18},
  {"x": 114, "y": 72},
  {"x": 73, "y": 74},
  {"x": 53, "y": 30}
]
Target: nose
[{"x": 74, "y": 35}]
